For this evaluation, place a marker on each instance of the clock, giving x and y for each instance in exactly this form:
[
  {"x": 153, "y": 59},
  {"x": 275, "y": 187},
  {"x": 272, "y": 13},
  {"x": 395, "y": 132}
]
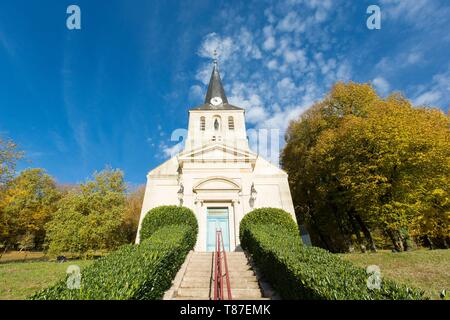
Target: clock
[{"x": 216, "y": 101}]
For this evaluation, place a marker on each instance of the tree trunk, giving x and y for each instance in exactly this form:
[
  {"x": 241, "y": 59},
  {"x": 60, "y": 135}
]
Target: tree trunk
[
  {"x": 356, "y": 231},
  {"x": 4, "y": 251},
  {"x": 319, "y": 233},
  {"x": 430, "y": 243},
  {"x": 345, "y": 238},
  {"x": 398, "y": 245},
  {"x": 366, "y": 232},
  {"x": 445, "y": 243}
]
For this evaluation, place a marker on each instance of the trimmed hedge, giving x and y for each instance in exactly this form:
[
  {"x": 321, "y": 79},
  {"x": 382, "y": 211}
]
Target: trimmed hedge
[
  {"x": 167, "y": 215},
  {"x": 266, "y": 216},
  {"x": 299, "y": 272},
  {"x": 142, "y": 271}
]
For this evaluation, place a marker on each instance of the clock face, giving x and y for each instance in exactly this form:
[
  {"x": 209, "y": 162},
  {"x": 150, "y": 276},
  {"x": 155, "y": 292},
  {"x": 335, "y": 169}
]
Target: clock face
[{"x": 216, "y": 101}]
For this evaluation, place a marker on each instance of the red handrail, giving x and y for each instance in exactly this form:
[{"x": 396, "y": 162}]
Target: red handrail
[{"x": 218, "y": 274}]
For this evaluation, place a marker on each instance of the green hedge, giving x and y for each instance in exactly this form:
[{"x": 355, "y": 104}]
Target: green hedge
[
  {"x": 265, "y": 216},
  {"x": 167, "y": 215},
  {"x": 142, "y": 271},
  {"x": 299, "y": 272}
]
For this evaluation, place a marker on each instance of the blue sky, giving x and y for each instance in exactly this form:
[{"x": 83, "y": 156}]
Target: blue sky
[{"x": 113, "y": 92}]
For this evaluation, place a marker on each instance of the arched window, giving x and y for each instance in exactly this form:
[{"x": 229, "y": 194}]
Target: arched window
[
  {"x": 202, "y": 123},
  {"x": 230, "y": 123},
  {"x": 217, "y": 123}
]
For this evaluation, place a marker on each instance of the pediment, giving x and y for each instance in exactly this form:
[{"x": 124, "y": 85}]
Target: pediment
[
  {"x": 217, "y": 153},
  {"x": 217, "y": 184}
]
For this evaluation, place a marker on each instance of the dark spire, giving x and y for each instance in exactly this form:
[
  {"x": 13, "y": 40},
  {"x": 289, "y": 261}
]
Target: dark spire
[{"x": 215, "y": 88}]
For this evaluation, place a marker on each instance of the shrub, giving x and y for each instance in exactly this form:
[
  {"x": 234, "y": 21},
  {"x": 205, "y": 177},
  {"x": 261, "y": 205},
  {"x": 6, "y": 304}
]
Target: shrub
[
  {"x": 142, "y": 271},
  {"x": 164, "y": 216},
  {"x": 299, "y": 272},
  {"x": 268, "y": 215}
]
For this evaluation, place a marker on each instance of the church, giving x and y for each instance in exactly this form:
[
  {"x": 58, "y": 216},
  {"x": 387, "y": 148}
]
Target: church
[{"x": 217, "y": 176}]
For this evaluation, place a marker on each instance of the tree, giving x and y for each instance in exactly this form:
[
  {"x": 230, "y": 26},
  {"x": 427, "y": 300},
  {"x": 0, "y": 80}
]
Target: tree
[
  {"x": 9, "y": 155},
  {"x": 133, "y": 212},
  {"x": 359, "y": 163},
  {"x": 27, "y": 205},
  {"x": 316, "y": 195},
  {"x": 90, "y": 218}
]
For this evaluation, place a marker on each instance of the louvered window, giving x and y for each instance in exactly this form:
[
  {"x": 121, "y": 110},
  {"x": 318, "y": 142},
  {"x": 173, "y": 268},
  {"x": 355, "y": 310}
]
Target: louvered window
[
  {"x": 202, "y": 123},
  {"x": 230, "y": 123}
]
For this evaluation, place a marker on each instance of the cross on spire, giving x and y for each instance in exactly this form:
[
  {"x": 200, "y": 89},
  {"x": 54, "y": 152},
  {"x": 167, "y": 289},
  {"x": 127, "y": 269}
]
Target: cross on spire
[{"x": 215, "y": 88}]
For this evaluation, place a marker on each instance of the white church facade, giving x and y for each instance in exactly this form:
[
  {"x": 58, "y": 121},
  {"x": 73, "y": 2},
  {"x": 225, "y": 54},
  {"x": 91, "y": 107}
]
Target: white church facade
[{"x": 217, "y": 176}]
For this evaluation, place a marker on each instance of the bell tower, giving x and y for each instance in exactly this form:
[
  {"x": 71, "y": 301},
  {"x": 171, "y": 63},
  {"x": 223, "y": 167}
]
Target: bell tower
[{"x": 216, "y": 121}]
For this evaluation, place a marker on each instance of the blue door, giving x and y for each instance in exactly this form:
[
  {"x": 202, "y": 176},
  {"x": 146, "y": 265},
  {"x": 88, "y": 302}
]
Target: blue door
[{"x": 217, "y": 218}]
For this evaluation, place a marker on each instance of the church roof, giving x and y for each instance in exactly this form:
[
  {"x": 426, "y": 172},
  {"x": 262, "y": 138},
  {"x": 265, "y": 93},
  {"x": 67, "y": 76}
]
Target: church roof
[
  {"x": 215, "y": 89},
  {"x": 208, "y": 106}
]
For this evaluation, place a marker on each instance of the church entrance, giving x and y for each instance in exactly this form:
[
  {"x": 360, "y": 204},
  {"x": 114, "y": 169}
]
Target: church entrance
[{"x": 217, "y": 218}]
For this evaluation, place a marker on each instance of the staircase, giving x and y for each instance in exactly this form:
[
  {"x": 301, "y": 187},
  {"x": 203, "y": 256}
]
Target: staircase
[{"x": 194, "y": 281}]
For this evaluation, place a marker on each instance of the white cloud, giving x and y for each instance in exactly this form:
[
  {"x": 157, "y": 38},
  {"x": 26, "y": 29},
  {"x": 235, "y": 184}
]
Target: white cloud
[
  {"x": 297, "y": 56},
  {"x": 381, "y": 84},
  {"x": 247, "y": 45},
  {"x": 414, "y": 57},
  {"x": 204, "y": 73},
  {"x": 196, "y": 93},
  {"x": 213, "y": 42},
  {"x": 165, "y": 151},
  {"x": 401, "y": 9},
  {"x": 272, "y": 64},
  {"x": 272, "y": 72},
  {"x": 291, "y": 22},
  {"x": 427, "y": 98},
  {"x": 256, "y": 114},
  {"x": 437, "y": 93},
  {"x": 269, "y": 42}
]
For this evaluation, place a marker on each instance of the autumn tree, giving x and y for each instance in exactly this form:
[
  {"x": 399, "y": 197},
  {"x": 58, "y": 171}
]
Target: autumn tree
[
  {"x": 132, "y": 213},
  {"x": 9, "y": 155},
  {"x": 89, "y": 218},
  {"x": 359, "y": 163},
  {"x": 27, "y": 203}
]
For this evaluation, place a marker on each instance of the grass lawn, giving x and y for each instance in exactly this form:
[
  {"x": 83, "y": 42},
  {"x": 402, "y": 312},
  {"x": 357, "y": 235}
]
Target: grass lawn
[
  {"x": 18, "y": 280},
  {"x": 22, "y": 256},
  {"x": 428, "y": 270}
]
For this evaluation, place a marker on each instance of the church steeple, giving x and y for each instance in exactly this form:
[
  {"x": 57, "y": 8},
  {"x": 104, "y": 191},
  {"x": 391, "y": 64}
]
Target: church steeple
[
  {"x": 215, "y": 87},
  {"x": 215, "y": 96}
]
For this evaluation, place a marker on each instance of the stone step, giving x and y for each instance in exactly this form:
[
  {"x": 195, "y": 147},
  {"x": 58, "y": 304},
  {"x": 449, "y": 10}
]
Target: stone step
[
  {"x": 195, "y": 284},
  {"x": 246, "y": 293},
  {"x": 209, "y": 284},
  {"x": 189, "y": 298},
  {"x": 230, "y": 256},
  {"x": 204, "y": 293},
  {"x": 237, "y": 267},
  {"x": 232, "y": 273},
  {"x": 194, "y": 293},
  {"x": 209, "y": 278},
  {"x": 210, "y": 261},
  {"x": 197, "y": 281},
  {"x": 199, "y": 267}
]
